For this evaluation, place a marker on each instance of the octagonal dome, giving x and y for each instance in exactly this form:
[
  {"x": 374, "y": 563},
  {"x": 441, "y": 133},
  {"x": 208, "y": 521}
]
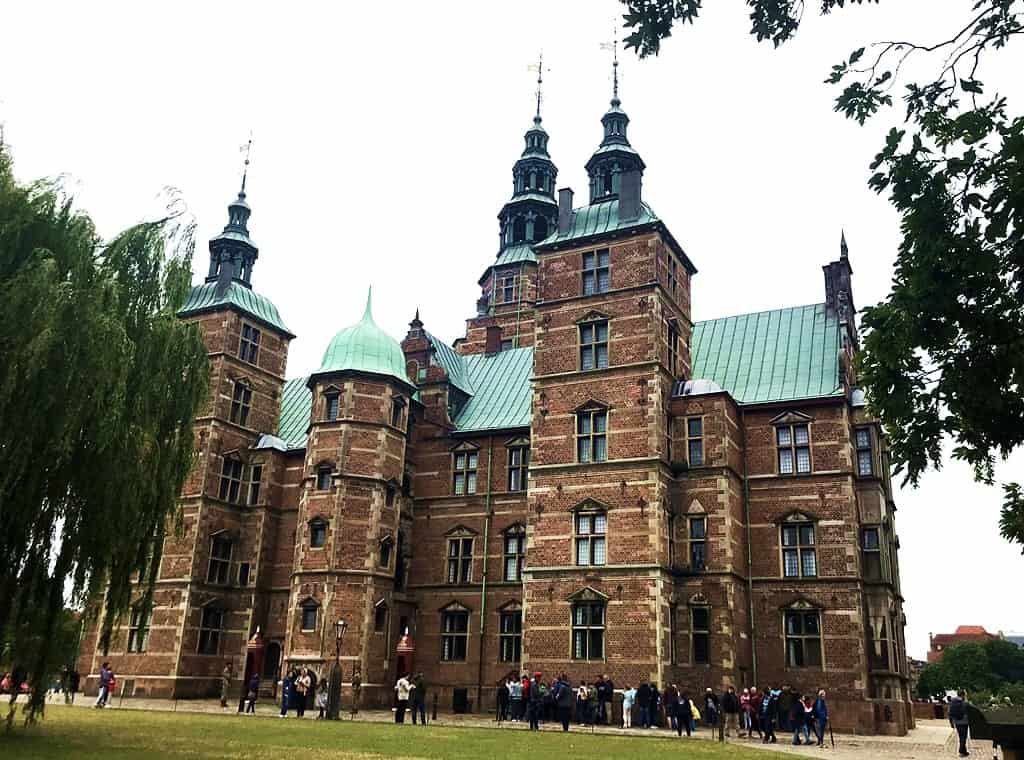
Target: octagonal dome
[{"x": 364, "y": 347}]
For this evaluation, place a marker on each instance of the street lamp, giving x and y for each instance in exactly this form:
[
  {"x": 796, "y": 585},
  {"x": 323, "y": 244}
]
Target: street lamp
[{"x": 334, "y": 691}]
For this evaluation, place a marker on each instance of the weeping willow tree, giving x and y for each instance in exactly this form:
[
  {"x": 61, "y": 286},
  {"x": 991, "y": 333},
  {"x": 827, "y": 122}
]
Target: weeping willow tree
[{"x": 99, "y": 384}]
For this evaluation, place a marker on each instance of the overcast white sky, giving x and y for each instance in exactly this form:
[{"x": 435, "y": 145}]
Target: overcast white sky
[{"x": 383, "y": 149}]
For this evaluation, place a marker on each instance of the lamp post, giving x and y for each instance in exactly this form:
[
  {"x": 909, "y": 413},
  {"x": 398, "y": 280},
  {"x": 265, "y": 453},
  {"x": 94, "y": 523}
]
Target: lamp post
[{"x": 334, "y": 691}]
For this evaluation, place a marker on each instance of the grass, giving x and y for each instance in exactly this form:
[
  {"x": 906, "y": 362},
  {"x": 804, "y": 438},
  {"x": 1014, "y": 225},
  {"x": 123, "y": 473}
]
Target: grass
[{"x": 84, "y": 734}]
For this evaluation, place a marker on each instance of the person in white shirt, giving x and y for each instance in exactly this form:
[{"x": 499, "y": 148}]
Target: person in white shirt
[{"x": 402, "y": 688}]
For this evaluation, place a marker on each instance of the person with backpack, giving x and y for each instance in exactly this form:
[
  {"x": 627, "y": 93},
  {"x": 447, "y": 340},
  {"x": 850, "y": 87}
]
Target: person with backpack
[
  {"x": 535, "y": 705},
  {"x": 710, "y": 707},
  {"x": 563, "y": 695},
  {"x": 643, "y": 701},
  {"x": 958, "y": 719},
  {"x": 769, "y": 711},
  {"x": 820, "y": 717},
  {"x": 731, "y": 711},
  {"x": 684, "y": 714}
]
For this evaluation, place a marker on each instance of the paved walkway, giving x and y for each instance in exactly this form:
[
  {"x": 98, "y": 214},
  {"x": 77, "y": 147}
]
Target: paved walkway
[{"x": 930, "y": 739}]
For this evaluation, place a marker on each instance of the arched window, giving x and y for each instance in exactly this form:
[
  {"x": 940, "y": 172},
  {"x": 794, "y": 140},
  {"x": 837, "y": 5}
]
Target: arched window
[
  {"x": 533, "y": 179},
  {"x": 519, "y": 230},
  {"x": 540, "y": 228}
]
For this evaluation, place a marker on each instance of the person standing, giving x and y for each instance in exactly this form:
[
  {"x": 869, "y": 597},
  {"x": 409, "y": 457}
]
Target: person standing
[
  {"x": 287, "y": 686},
  {"x": 745, "y": 712},
  {"x": 958, "y": 719},
  {"x": 731, "y": 711},
  {"x": 535, "y": 704},
  {"x": 671, "y": 701},
  {"x": 402, "y": 689},
  {"x": 300, "y": 691},
  {"x": 106, "y": 677},
  {"x": 628, "y": 699},
  {"x": 74, "y": 679},
  {"x": 784, "y": 706},
  {"x": 643, "y": 701},
  {"x": 321, "y": 699},
  {"x": 605, "y": 698},
  {"x": 225, "y": 683},
  {"x": 515, "y": 699},
  {"x": 501, "y": 697},
  {"x": 311, "y": 688},
  {"x": 252, "y": 694},
  {"x": 820, "y": 717},
  {"x": 581, "y": 703},
  {"x": 563, "y": 700},
  {"x": 419, "y": 699},
  {"x": 754, "y": 713},
  {"x": 769, "y": 709},
  {"x": 710, "y": 707},
  {"x": 684, "y": 714}
]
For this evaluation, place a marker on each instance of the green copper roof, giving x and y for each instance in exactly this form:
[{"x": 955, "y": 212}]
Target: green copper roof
[
  {"x": 515, "y": 254},
  {"x": 597, "y": 219},
  {"x": 453, "y": 365},
  {"x": 778, "y": 355},
  {"x": 364, "y": 347},
  {"x": 502, "y": 391},
  {"x": 204, "y": 297},
  {"x": 296, "y": 403}
]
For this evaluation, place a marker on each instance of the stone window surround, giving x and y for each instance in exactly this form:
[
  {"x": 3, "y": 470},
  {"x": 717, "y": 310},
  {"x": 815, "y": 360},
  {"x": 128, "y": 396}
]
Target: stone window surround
[
  {"x": 591, "y": 411},
  {"x": 803, "y": 608},
  {"x": 517, "y": 533},
  {"x": 138, "y": 629},
  {"x": 520, "y": 468},
  {"x": 510, "y": 632},
  {"x": 800, "y": 548},
  {"x": 309, "y": 608},
  {"x": 793, "y": 421},
  {"x": 465, "y": 464},
  {"x": 249, "y": 343},
  {"x": 318, "y": 527},
  {"x": 241, "y": 401},
  {"x": 211, "y": 626},
  {"x": 455, "y": 622}
]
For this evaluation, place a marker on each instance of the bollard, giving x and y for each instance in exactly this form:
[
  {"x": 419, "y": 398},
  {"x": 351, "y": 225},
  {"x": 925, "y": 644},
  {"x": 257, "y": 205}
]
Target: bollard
[{"x": 433, "y": 715}]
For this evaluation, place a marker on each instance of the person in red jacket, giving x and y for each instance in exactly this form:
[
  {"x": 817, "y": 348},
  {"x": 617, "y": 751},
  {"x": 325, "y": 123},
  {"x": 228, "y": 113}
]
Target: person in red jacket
[{"x": 756, "y": 699}]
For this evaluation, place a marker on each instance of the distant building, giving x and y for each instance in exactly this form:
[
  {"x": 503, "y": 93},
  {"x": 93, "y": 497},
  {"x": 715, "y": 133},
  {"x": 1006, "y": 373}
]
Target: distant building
[
  {"x": 939, "y": 642},
  {"x": 1013, "y": 638}
]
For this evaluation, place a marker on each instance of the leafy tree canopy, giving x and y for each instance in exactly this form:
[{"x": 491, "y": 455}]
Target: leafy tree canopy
[
  {"x": 943, "y": 355},
  {"x": 993, "y": 666},
  {"x": 99, "y": 384}
]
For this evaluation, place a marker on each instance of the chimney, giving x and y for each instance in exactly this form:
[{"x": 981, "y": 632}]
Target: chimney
[
  {"x": 225, "y": 275},
  {"x": 629, "y": 196},
  {"x": 564, "y": 209},
  {"x": 492, "y": 343}
]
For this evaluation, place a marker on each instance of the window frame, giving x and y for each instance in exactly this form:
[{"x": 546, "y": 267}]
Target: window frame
[
  {"x": 594, "y": 264},
  {"x": 861, "y": 448},
  {"x": 332, "y": 405},
  {"x": 518, "y": 467},
  {"x": 241, "y": 403},
  {"x": 589, "y": 339},
  {"x": 793, "y": 447},
  {"x": 380, "y": 617},
  {"x": 464, "y": 475},
  {"x": 700, "y": 633},
  {"x": 694, "y": 541},
  {"x": 672, "y": 339},
  {"x": 692, "y": 440},
  {"x": 255, "y": 483},
  {"x": 510, "y": 634},
  {"x": 249, "y": 344},
  {"x": 588, "y": 628},
  {"x": 799, "y": 547},
  {"x": 218, "y": 567},
  {"x": 507, "y": 286},
  {"x": 209, "y": 635},
  {"x": 591, "y": 440},
  {"x": 459, "y": 563},
  {"x": 516, "y": 533},
  {"x": 306, "y": 608},
  {"x": 874, "y": 552},
  {"x": 454, "y": 634},
  {"x": 385, "y": 549},
  {"x": 671, "y": 269},
  {"x": 324, "y": 477},
  {"x": 592, "y": 538},
  {"x": 398, "y": 413},
  {"x": 318, "y": 529},
  {"x": 232, "y": 472},
  {"x": 790, "y": 653},
  {"x": 138, "y": 629}
]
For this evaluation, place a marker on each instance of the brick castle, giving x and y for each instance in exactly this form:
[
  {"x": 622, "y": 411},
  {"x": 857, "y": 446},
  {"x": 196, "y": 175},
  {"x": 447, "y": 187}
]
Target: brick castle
[{"x": 586, "y": 482}]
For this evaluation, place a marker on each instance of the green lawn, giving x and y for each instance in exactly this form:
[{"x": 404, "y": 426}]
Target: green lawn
[{"x": 84, "y": 734}]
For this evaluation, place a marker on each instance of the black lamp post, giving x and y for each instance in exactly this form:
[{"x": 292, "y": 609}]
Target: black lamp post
[{"x": 334, "y": 691}]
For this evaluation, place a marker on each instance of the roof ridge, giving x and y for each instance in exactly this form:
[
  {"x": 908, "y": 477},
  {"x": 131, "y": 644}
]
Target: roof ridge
[{"x": 755, "y": 313}]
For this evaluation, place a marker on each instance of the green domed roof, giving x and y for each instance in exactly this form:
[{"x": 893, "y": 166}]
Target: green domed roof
[{"x": 364, "y": 347}]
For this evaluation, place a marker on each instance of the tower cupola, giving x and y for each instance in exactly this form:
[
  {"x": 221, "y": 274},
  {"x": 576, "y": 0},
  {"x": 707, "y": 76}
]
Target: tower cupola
[{"x": 232, "y": 252}]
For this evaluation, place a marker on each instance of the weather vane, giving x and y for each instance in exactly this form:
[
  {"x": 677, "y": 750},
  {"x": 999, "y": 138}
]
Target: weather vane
[
  {"x": 613, "y": 46},
  {"x": 539, "y": 68},
  {"x": 247, "y": 150}
]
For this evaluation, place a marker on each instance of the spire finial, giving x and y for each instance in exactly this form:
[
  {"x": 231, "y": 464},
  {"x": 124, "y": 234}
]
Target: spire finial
[
  {"x": 613, "y": 46},
  {"x": 247, "y": 150},
  {"x": 844, "y": 251},
  {"x": 368, "y": 311},
  {"x": 539, "y": 68}
]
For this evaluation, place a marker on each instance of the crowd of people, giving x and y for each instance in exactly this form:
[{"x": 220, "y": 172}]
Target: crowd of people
[{"x": 754, "y": 713}]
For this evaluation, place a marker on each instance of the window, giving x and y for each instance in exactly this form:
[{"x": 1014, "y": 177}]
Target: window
[
  {"x": 700, "y": 635},
  {"x": 138, "y": 629},
  {"x": 794, "y": 443},
  {"x": 309, "y": 614},
  {"x": 397, "y": 408},
  {"x": 518, "y": 467},
  {"x": 673, "y": 280},
  {"x": 508, "y": 288},
  {"x": 249, "y": 345},
  {"x": 595, "y": 272},
  {"x": 510, "y": 636},
  {"x": 454, "y": 635},
  {"x": 460, "y": 560},
  {"x": 698, "y": 542},
  {"x": 323, "y": 478},
  {"x": 673, "y": 632},
  {"x": 588, "y": 631},
  {"x": 464, "y": 473},
  {"x": 799, "y": 558},
  {"x": 803, "y": 639},
  {"x": 389, "y": 496},
  {"x": 695, "y": 441},
  {"x": 210, "y": 625},
  {"x": 540, "y": 224},
  {"x": 594, "y": 345},
  {"x": 332, "y": 406},
  {"x": 380, "y": 618},
  {"x": 255, "y": 476},
  {"x": 668, "y": 437},
  {"x": 317, "y": 534},
  {"x": 879, "y": 643},
  {"x": 673, "y": 348},
  {"x": 591, "y": 540},
  {"x": 230, "y": 479},
  {"x": 518, "y": 230},
  {"x": 515, "y": 552},
  {"x": 506, "y": 345},
  {"x": 591, "y": 435},
  {"x": 865, "y": 456},
  {"x": 241, "y": 400},
  {"x": 220, "y": 560},
  {"x": 870, "y": 548},
  {"x": 672, "y": 524},
  {"x": 244, "y": 570},
  {"x": 384, "y": 555}
]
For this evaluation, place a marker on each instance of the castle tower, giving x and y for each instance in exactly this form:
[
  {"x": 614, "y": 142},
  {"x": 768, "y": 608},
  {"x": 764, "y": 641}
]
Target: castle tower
[{"x": 348, "y": 555}]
